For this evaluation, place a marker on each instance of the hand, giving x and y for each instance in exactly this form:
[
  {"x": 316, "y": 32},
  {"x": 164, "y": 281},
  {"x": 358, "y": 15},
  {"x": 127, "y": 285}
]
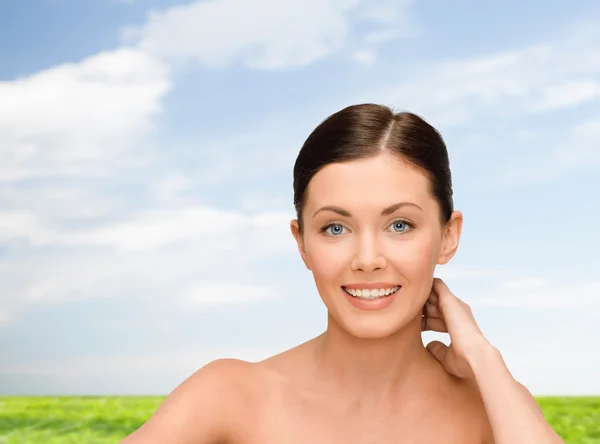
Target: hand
[{"x": 444, "y": 312}]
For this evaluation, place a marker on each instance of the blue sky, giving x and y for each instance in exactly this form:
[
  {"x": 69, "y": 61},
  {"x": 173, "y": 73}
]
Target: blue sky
[{"x": 146, "y": 177}]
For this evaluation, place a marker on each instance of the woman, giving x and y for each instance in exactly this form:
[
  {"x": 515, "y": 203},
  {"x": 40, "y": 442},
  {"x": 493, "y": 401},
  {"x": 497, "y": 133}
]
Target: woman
[{"x": 375, "y": 216}]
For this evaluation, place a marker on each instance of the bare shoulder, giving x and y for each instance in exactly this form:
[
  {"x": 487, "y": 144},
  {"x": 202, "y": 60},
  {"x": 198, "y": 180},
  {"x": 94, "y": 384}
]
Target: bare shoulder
[
  {"x": 461, "y": 406},
  {"x": 473, "y": 415},
  {"x": 474, "y": 407},
  {"x": 457, "y": 407},
  {"x": 205, "y": 408}
]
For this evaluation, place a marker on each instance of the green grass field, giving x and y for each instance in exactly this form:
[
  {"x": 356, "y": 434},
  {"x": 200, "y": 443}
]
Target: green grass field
[{"x": 98, "y": 420}]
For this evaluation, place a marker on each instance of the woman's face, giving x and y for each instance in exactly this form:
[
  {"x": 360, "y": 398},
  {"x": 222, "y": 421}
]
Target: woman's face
[{"x": 372, "y": 224}]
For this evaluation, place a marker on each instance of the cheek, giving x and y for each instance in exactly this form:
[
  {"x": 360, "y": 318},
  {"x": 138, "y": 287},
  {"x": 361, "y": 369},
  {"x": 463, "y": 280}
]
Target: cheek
[
  {"x": 328, "y": 261},
  {"x": 416, "y": 258}
]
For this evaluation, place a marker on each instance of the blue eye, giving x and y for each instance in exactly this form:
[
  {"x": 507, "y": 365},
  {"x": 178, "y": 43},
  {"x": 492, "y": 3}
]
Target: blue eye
[
  {"x": 334, "y": 229},
  {"x": 400, "y": 226}
]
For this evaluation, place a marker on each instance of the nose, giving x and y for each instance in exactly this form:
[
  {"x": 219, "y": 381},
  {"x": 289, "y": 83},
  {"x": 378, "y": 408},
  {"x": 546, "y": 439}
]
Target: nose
[{"x": 369, "y": 256}]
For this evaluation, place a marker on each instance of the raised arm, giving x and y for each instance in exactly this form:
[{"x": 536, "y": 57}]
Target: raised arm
[
  {"x": 198, "y": 411},
  {"x": 513, "y": 414}
]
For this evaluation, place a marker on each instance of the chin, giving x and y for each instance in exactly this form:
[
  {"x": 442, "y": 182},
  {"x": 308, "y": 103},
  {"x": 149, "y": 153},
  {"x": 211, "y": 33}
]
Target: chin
[
  {"x": 374, "y": 323},
  {"x": 372, "y": 327}
]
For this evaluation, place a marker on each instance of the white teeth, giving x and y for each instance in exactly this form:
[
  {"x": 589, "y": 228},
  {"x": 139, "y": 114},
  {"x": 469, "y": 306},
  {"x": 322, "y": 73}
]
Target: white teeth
[{"x": 371, "y": 294}]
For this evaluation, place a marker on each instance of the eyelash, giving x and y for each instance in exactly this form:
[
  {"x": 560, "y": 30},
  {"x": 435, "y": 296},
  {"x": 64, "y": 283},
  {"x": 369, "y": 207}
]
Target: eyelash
[{"x": 409, "y": 224}]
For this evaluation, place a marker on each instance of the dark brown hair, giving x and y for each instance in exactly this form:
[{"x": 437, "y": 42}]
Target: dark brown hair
[{"x": 366, "y": 130}]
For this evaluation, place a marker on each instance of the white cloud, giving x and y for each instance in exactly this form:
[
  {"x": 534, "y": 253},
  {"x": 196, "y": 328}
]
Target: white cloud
[
  {"x": 263, "y": 34},
  {"x": 4, "y": 317},
  {"x": 157, "y": 372},
  {"x": 568, "y": 94},
  {"x": 169, "y": 187},
  {"x": 495, "y": 89},
  {"x": 525, "y": 284},
  {"x": 54, "y": 201},
  {"x": 259, "y": 146},
  {"x": 559, "y": 361},
  {"x": 559, "y": 74},
  {"x": 144, "y": 253},
  {"x": 538, "y": 294},
  {"x": 453, "y": 272},
  {"x": 146, "y": 230},
  {"x": 205, "y": 294},
  {"x": 581, "y": 145},
  {"x": 76, "y": 241},
  {"x": 68, "y": 122},
  {"x": 78, "y": 117},
  {"x": 383, "y": 35},
  {"x": 153, "y": 229},
  {"x": 23, "y": 225},
  {"x": 542, "y": 156},
  {"x": 364, "y": 57},
  {"x": 503, "y": 92},
  {"x": 96, "y": 365},
  {"x": 385, "y": 11},
  {"x": 573, "y": 372}
]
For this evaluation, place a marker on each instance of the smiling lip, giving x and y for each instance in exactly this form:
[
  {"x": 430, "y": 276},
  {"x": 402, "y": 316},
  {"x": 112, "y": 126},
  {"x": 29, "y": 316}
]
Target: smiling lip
[
  {"x": 370, "y": 286},
  {"x": 378, "y": 303}
]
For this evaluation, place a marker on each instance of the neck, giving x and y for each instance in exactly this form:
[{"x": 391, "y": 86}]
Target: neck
[{"x": 371, "y": 368}]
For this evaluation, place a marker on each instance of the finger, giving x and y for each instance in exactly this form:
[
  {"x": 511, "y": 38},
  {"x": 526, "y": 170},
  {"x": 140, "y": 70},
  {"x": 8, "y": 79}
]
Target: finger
[
  {"x": 442, "y": 291},
  {"x": 439, "y": 284},
  {"x": 434, "y": 324},
  {"x": 438, "y": 350},
  {"x": 432, "y": 311},
  {"x": 433, "y": 297},
  {"x": 445, "y": 296}
]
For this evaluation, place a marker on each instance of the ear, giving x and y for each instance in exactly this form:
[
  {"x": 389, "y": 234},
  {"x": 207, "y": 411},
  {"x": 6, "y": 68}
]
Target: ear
[
  {"x": 300, "y": 241},
  {"x": 451, "y": 237}
]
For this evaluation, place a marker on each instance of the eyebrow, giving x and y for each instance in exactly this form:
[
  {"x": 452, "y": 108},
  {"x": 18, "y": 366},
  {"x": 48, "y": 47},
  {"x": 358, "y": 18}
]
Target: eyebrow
[{"x": 385, "y": 212}]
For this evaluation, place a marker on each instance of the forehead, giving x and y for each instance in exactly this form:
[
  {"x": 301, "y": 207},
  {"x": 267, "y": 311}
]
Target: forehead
[{"x": 372, "y": 182}]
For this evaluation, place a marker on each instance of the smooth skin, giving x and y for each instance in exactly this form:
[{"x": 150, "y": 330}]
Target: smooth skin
[{"x": 368, "y": 378}]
